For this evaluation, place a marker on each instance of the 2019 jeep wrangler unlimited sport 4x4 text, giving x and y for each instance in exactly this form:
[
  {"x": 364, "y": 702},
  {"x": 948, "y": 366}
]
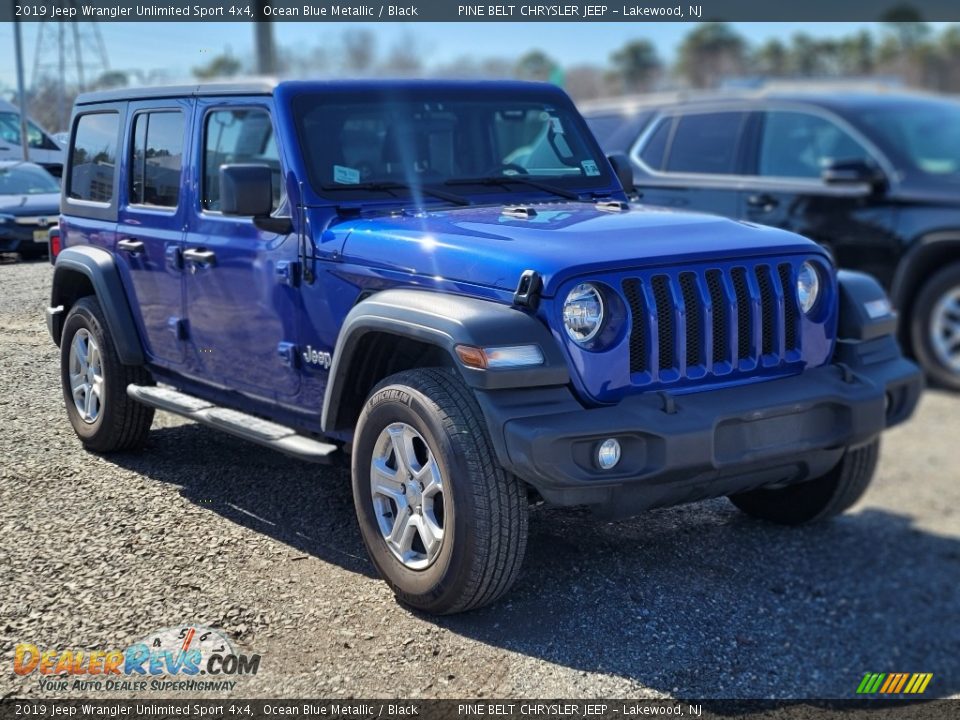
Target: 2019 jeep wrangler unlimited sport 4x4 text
[{"x": 445, "y": 282}]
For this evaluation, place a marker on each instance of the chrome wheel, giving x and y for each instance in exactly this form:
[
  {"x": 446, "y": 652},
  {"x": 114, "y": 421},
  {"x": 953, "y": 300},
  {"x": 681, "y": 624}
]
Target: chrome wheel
[
  {"x": 408, "y": 492},
  {"x": 945, "y": 329},
  {"x": 86, "y": 376}
]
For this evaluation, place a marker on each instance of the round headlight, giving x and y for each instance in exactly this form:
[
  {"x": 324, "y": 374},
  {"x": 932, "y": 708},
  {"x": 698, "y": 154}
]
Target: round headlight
[
  {"x": 583, "y": 313},
  {"x": 808, "y": 286}
]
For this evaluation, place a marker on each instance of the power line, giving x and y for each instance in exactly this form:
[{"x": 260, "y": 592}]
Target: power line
[{"x": 73, "y": 53}]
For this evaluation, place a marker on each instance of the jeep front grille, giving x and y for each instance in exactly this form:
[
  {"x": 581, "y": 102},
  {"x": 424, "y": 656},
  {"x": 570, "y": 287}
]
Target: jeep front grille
[{"x": 692, "y": 324}]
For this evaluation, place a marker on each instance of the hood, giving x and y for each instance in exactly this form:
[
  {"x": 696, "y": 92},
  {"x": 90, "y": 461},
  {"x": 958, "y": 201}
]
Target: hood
[
  {"x": 47, "y": 204},
  {"x": 484, "y": 246}
]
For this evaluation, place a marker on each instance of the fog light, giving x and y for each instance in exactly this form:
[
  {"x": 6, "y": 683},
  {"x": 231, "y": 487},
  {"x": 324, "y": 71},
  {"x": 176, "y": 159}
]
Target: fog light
[{"x": 608, "y": 453}]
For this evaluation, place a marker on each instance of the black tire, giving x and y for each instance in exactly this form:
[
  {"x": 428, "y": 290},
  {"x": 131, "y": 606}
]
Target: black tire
[
  {"x": 484, "y": 511},
  {"x": 122, "y": 423},
  {"x": 921, "y": 333},
  {"x": 819, "y": 499}
]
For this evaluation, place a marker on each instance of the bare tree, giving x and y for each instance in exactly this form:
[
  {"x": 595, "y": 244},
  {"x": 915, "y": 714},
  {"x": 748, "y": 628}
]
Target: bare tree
[
  {"x": 359, "y": 51},
  {"x": 405, "y": 57}
]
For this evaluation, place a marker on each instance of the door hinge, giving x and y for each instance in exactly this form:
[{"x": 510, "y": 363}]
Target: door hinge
[
  {"x": 178, "y": 326},
  {"x": 288, "y": 353},
  {"x": 288, "y": 272}
]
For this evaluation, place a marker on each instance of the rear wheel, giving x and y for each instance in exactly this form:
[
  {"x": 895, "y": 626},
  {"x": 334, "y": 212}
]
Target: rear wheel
[
  {"x": 818, "y": 499},
  {"x": 444, "y": 524},
  {"x": 935, "y": 327},
  {"x": 95, "y": 383}
]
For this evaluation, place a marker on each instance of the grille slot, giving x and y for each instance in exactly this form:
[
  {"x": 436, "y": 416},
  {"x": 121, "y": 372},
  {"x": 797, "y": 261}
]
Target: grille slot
[
  {"x": 693, "y": 306},
  {"x": 674, "y": 335},
  {"x": 638, "y": 335},
  {"x": 791, "y": 311},
  {"x": 665, "y": 328},
  {"x": 768, "y": 309},
  {"x": 744, "y": 314},
  {"x": 718, "y": 301}
]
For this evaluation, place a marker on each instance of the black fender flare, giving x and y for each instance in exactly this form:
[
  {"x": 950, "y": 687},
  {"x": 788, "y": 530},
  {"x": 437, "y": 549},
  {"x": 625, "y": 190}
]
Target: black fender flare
[
  {"x": 445, "y": 321},
  {"x": 865, "y": 311},
  {"x": 926, "y": 255},
  {"x": 99, "y": 267}
]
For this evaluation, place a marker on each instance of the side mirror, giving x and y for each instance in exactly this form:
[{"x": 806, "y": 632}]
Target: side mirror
[
  {"x": 852, "y": 172},
  {"x": 246, "y": 190},
  {"x": 624, "y": 171}
]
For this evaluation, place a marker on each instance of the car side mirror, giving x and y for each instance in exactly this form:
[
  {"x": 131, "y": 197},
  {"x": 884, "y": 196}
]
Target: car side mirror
[
  {"x": 852, "y": 172},
  {"x": 624, "y": 171},
  {"x": 246, "y": 190}
]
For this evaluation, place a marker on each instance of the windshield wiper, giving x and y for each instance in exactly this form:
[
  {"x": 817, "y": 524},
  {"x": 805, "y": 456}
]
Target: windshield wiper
[
  {"x": 517, "y": 180},
  {"x": 391, "y": 186}
]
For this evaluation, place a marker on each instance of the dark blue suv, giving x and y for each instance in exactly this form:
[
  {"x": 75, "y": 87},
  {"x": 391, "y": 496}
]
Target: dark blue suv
[{"x": 443, "y": 282}]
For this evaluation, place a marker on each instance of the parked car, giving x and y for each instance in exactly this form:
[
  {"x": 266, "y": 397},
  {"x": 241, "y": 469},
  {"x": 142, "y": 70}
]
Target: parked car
[
  {"x": 443, "y": 284},
  {"x": 29, "y": 206},
  {"x": 875, "y": 178},
  {"x": 42, "y": 149}
]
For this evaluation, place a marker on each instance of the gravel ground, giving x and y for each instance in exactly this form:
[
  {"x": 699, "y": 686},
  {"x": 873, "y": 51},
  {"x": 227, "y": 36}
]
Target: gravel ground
[{"x": 698, "y": 601}]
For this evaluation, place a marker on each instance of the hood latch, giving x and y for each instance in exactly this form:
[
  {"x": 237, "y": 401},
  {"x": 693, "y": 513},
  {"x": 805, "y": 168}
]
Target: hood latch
[{"x": 528, "y": 290}]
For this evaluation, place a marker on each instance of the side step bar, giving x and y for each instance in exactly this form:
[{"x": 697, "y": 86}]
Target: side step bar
[{"x": 248, "y": 427}]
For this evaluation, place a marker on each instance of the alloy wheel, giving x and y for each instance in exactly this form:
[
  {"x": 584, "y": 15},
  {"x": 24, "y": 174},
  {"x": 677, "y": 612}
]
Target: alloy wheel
[
  {"x": 408, "y": 495},
  {"x": 86, "y": 376},
  {"x": 945, "y": 329}
]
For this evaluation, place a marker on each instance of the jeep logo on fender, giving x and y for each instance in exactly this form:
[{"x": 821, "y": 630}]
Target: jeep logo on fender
[{"x": 317, "y": 358}]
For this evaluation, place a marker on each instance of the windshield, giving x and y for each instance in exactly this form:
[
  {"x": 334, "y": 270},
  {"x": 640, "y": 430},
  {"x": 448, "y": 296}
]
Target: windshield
[
  {"x": 365, "y": 146},
  {"x": 922, "y": 137},
  {"x": 10, "y": 132},
  {"x": 26, "y": 180}
]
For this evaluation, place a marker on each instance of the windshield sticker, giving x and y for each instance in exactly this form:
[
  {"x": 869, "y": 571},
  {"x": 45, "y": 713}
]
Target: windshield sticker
[
  {"x": 346, "y": 175},
  {"x": 590, "y": 168},
  {"x": 557, "y": 125}
]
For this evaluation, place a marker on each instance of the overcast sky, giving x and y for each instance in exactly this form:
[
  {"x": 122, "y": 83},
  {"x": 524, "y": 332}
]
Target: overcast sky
[{"x": 177, "y": 47}]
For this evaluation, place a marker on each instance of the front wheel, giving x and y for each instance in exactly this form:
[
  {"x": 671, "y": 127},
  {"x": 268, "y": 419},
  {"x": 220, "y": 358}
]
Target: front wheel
[
  {"x": 818, "y": 499},
  {"x": 443, "y": 523},
  {"x": 935, "y": 327}
]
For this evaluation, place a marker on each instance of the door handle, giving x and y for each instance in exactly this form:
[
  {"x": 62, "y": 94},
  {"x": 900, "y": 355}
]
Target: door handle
[
  {"x": 763, "y": 201},
  {"x": 134, "y": 247},
  {"x": 200, "y": 256}
]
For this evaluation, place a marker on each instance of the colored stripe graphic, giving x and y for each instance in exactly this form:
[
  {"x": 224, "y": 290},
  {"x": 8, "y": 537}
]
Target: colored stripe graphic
[
  {"x": 894, "y": 683},
  {"x": 903, "y": 681}
]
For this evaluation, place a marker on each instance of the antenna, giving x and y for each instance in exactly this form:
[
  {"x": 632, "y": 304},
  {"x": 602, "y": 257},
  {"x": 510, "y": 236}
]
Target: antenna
[{"x": 73, "y": 54}]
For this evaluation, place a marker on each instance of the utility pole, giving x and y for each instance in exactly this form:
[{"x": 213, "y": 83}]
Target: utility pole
[
  {"x": 21, "y": 92},
  {"x": 266, "y": 52}
]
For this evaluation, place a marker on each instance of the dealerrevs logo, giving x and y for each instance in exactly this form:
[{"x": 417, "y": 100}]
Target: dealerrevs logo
[{"x": 168, "y": 659}]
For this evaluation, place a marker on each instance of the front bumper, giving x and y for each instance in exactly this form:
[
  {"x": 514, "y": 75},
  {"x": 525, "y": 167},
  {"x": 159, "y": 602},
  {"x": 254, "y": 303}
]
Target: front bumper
[{"x": 689, "y": 447}]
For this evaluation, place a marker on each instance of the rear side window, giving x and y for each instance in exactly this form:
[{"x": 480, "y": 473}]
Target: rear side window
[
  {"x": 239, "y": 135},
  {"x": 706, "y": 143},
  {"x": 157, "y": 159},
  {"x": 94, "y": 157},
  {"x": 656, "y": 148}
]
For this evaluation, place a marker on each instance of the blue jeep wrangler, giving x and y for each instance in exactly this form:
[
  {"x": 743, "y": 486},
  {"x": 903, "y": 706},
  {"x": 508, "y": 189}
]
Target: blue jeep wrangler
[{"x": 444, "y": 282}]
